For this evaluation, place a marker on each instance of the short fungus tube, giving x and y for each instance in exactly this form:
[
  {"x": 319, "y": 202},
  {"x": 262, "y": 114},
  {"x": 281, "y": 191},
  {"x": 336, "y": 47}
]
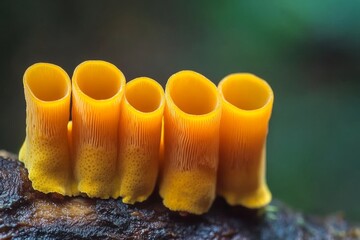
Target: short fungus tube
[
  {"x": 45, "y": 151},
  {"x": 246, "y": 110},
  {"x": 191, "y": 143},
  {"x": 140, "y": 124},
  {"x": 98, "y": 88}
]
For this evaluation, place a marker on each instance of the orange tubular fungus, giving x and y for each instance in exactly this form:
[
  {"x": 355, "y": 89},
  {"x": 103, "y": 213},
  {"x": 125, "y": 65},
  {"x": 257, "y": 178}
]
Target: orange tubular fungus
[
  {"x": 45, "y": 151},
  {"x": 246, "y": 109},
  {"x": 97, "y": 93},
  {"x": 139, "y": 138},
  {"x": 191, "y": 138}
]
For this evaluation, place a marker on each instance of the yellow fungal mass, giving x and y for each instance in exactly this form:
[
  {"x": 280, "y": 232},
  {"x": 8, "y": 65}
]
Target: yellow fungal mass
[
  {"x": 190, "y": 191},
  {"x": 246, "y": 109},
  {"x": 195, "y": 139},
  {"x": 97, "y": 93},
  {"x": 191, "y": 138},
  {"x": 139, "y": 138},
  {"x": 45, "y": 151}
]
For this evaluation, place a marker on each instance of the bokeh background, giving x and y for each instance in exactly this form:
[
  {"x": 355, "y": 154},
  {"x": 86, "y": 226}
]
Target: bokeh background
[{"x": 309, "y": 52}]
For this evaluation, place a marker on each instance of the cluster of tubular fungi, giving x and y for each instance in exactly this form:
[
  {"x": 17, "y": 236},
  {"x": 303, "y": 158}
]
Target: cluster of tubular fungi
[{"x": 194, "y": 140}]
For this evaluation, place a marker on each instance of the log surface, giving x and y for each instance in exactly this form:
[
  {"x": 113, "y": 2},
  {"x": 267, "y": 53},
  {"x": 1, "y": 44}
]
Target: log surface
[{"x": 29, "y": 214}]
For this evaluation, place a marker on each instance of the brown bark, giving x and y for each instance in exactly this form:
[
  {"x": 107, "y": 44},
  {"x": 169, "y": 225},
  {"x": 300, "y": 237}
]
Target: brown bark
[{"x": 26, "y": 213}]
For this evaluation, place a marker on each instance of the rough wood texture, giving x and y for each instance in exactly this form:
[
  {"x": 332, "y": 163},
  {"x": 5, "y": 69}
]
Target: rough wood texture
[{"x": 28, "y": 214}]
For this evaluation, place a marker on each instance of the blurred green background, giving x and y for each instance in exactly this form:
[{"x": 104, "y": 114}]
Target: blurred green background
[{"x": 309, "y": 52}]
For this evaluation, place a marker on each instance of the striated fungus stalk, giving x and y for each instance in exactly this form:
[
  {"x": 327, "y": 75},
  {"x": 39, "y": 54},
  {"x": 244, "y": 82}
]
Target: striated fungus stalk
[
  {"x": 246, "y": 109},
  {"x": 191, "y": 138},
  {"x": 139, "y": 138},
  {"x": 97, "y": 93},
  {"x": 45, "y": 151}
]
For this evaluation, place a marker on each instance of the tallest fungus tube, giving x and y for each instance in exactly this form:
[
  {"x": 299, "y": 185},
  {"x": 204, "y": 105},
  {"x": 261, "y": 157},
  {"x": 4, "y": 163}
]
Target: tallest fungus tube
[
  {"x": 45, "y": 151},
  {"x": 191, "y": 138},
  {"x": 246, "y": 109},
  {"x": 97, "y": 93}
]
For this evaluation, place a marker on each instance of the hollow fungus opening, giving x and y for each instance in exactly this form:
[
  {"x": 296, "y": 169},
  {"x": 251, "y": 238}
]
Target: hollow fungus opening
[
  {"x": 144, "y": 94},
  {"x": 192, "y": 93},
  {"x": 98, "y": 80},
  {"x": 47, "y": 82},
  {"x": 245, "y": 91}
]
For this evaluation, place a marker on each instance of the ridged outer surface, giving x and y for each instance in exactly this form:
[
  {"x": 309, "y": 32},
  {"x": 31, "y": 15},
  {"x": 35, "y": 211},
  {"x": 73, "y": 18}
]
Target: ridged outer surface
[
  {"x": 45, "y": 151},
  {"x": 191, "y": 138},
  {"x": 97, "y": 92},
  {"x": 139, "y": 138},
  {"x": 246, "y": 109}
]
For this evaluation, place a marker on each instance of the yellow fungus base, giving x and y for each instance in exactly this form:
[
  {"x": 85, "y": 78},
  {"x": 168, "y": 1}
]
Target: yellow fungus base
[
  {"x": 95, "y": 171},
  {"x": 238, "y": 190},
  {"x": 22, "y": 152},
  {"x": 46, "y": 177},
  {"x": 191, "y": 191},
  {"x": 244, "y": 185},
  {"x": 138, "y": 174}
]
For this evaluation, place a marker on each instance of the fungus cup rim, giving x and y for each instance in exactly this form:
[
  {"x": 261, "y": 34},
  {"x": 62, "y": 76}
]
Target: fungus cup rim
[
  {"x": 201, "y": 78},
  {"x": 110, "y": 67},
  {"x": 159, "y": 90},
  {"x": 57, "y": 68},
  {"x": 253, "y": 78}
]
